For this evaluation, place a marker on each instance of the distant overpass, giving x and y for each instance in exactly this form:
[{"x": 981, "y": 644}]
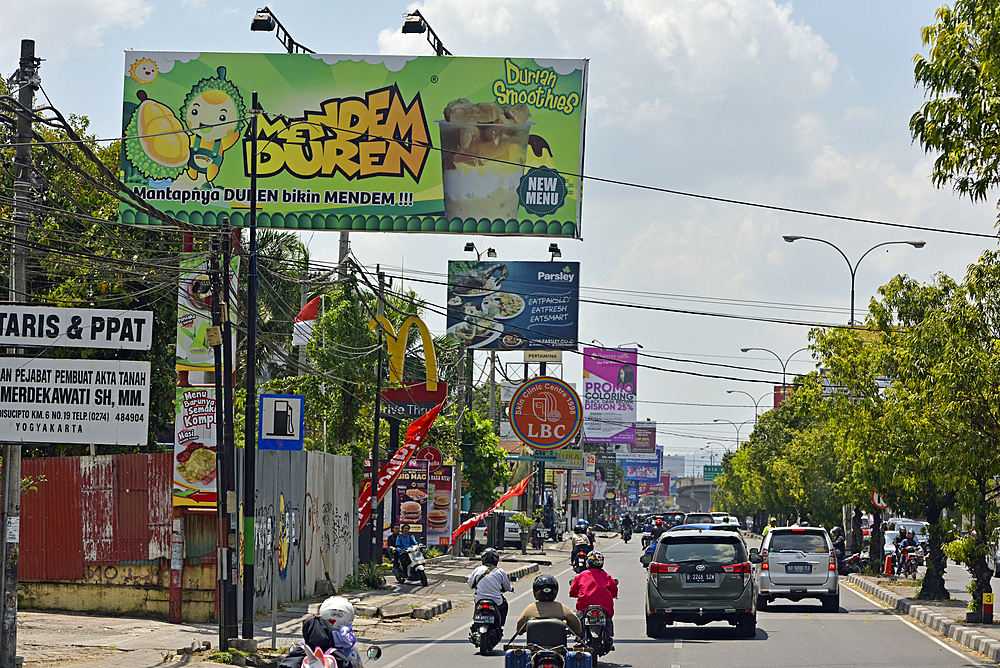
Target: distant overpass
[{"x": 694, "y": 495}]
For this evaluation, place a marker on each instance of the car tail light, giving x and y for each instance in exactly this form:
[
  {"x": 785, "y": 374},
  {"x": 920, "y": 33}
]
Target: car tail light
[
  {"x": 833, "y": 560},
  {"x": 745, "y": 568},
  {"x": 656, "y": 567},
  {"x": 763, "y": 564}
]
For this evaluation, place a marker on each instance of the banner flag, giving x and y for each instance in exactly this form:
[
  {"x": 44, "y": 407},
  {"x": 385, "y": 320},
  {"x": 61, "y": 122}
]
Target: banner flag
[
  {"x": 304, "y": 323},
  {"x": 516, "y": 490},
  {"x": 387, "y": 475}
]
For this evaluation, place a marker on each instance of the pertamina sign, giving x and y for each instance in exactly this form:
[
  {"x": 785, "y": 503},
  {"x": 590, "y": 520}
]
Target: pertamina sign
[{"x": 545, "y": 413}]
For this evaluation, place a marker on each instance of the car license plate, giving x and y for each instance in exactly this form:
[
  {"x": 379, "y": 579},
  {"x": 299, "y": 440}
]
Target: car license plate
[
  {"x": 700, "y": 577},
  {"x": 485, "y": 619},
  {"x": 798, "y": 568}
]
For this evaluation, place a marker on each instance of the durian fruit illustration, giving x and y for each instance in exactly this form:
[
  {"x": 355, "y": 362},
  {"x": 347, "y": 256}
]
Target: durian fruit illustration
[
  {"x": 156, "y": 144},
  {"x": 160, "y": 147}
]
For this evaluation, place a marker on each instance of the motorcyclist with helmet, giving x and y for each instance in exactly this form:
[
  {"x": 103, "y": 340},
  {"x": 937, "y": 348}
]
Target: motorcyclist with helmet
[
  {"x": 909, "y": 541},
  {"x": 491, "y": 582},
  {"x": 595, "y": 587},
  {"x": 658, "y": 529},
  {"x": 897, "y": 542},
  {"x": 580, "y": 541},
  {"x": 545, "y": 589},
  {"x": 626, "y": 522},
  {"x": 332, "y": 627},
  {"x": 839, "y": 543}
]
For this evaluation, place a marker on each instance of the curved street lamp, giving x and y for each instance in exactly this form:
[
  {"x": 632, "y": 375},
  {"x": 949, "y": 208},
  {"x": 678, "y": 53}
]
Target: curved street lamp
[
  {"x": 756, "y": 402},
  {"x": 916, "y": 243},
  {"x": 783, "y": 363},
  {"x": 737, "y": 426}
]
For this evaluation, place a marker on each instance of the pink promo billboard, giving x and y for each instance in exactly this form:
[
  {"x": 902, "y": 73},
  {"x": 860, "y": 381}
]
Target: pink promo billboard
[{"x": 609, "y": 393}]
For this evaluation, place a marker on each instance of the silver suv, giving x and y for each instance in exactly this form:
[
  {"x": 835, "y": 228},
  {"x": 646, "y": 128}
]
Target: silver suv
[{"x": 798, "y": 563}]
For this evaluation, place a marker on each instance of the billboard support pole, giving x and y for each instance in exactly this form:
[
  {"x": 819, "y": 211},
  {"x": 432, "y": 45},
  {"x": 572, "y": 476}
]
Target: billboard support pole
[{"x": 250, "y": 422}]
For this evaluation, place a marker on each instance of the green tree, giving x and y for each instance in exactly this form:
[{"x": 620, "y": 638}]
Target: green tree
[{"x": 961, "y": 76}]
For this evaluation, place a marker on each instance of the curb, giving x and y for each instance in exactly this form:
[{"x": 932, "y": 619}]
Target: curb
[
  {"x": 964, "y": 635},
  {"x": 518, "y": 572},
  {"x": 438, "y": 607}
]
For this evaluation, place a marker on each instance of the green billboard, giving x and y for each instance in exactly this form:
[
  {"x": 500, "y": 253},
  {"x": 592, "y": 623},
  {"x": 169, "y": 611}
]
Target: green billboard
[{"x": 362, "y": 143}]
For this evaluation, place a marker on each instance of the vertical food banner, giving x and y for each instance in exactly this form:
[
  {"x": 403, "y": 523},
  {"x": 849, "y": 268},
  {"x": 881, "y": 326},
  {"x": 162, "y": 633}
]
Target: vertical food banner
[
  {"x": 410, "y": 498},
  {"x": 196, "y": 436},
  {"x": 439, "y": 515},
  {"x": 609, "y": 393}
]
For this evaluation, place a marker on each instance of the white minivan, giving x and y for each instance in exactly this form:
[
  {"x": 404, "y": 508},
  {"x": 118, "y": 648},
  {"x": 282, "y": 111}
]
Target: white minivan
[{"x": 797, "y": 563}]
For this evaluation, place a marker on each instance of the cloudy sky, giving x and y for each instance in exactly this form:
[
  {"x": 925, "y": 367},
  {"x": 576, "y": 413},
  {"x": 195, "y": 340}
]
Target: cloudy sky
[{"x": 801, "y": 105}]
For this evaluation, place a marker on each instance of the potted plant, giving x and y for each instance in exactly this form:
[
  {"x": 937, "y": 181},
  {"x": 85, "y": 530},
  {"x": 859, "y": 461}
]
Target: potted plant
[{"x": 524, "y": 523}]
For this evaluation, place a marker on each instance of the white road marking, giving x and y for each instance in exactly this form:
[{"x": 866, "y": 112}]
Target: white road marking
[
  {"x": 912, "y": 625},
  {"x": 675, "y": 665},
  {"x": 678, "y": 644},
  {"x": 457, "y": 631}
]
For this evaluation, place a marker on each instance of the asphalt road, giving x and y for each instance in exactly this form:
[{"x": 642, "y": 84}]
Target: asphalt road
[{"x": 862, "y": 633}]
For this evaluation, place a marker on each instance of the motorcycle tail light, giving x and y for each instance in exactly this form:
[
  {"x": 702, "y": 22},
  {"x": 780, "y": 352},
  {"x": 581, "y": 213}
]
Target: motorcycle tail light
[{"x": 483, "y": 607}]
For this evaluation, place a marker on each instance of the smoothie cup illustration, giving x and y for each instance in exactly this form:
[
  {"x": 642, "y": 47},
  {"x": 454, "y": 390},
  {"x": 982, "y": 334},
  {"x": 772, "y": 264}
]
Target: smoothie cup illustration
[{"x": 483, "y": 147}]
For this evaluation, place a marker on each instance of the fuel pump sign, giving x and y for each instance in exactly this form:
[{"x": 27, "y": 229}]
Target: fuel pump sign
[{"x": 281, "y": 422}]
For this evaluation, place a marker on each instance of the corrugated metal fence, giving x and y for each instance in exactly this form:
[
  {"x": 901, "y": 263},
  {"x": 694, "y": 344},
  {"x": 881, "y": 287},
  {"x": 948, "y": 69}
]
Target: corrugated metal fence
[{"x": 93, "y": 512}]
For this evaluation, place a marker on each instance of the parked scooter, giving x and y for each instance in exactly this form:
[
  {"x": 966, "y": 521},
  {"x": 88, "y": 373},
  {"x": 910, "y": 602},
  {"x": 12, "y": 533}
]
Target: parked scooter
[{"x": 415, "y": 561}]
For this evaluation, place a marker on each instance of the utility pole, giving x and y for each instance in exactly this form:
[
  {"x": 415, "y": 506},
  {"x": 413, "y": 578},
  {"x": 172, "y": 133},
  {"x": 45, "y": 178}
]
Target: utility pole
[
  {"x": 222, "y": 461},
  {"x": 227, "y": 477},
  {"x": 250, "y": 426},
  {"x": 375, "y": 551},
  {"x": 27, "y": 81}
]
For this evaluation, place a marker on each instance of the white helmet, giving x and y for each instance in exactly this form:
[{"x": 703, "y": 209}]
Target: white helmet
[{"x": 337, "y": 610}]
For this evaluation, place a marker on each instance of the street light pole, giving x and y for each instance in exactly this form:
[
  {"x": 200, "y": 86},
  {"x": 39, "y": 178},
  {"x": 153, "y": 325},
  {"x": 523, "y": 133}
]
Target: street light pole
[
  {"x": 916, "y": 243},
  {"x": 737, "y": 426},
  {"x": 756, "y": 402},
  {"x": 783, "y": 363}
]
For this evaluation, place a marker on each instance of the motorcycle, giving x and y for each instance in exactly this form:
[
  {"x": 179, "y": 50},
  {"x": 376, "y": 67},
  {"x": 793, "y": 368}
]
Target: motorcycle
[
  {"x": 580, "y": 558},
  {"x": 331, "y": 658},
  {"x": 848, "y": 565},
  {"x": 486, "y": 630},
  {"x": 908, "y": 563},
  {"x": 626, "y": 534},
  {"x": 647, "y": 538},
  {"x": 546, "y": 646},
  {"x": 414, "y": 565},
  {"x": 595, "y": 631}
]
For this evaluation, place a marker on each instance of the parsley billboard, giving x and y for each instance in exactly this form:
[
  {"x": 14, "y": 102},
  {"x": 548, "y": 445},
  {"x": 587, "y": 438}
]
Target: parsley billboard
[
  {"x": 514, "y": 305},
  {"x": 366, "y": 143}
]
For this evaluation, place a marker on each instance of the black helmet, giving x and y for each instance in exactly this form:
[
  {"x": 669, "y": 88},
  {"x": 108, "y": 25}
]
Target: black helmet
[
  {"x": 545, "y": 588},
  {"x": 579, "y": 528},
  {"x": 490, "y": 557},
  {"x": 836, "y": 531}
]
